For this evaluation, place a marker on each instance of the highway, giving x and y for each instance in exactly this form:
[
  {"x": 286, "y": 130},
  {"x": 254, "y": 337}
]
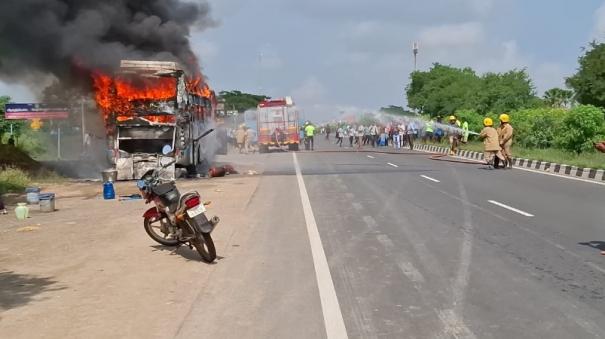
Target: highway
[{"x": 408, "y": 247}]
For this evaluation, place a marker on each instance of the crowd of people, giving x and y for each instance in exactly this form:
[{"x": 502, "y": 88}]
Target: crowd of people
[
  {"x": 396, "y": 134},
  {"x": 406, "y": 132}
]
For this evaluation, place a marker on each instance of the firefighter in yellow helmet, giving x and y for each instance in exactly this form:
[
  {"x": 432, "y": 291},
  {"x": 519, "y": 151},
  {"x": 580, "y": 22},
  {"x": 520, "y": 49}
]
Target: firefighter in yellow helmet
[
  {"x": 492, "y": 149},
  {"x": 454, "y": 134},
  {"x": 505, "y": 133}
]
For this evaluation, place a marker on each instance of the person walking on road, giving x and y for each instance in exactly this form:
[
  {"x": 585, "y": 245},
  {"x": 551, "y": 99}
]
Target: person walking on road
[
  {"x": 373, "y": 134},
  {"x": 339, "y": 136},
  {"x": 396, "y": 138},
  {"x": 505, "y": 132},
  {"x": 429, "y": 130},
  {"x": 240, "y": 138},
  {"x": 328, "y": 130},
  {"x": 360, "y": 134},
  {"x": 491, "y": 144},
  {"x": 352, "y": 131},
  {"x": 310, "y": 136},
  {"x": 250, "y": 140}
]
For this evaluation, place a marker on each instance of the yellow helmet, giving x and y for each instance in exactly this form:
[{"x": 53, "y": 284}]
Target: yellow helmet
[
  {"x": 452, "y": 118},
  {"x": 488, "y": 122},
  {"x": 504, "y": 118}
]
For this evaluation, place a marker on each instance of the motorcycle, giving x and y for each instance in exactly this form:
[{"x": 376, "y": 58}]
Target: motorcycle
[{"x": 176, "y": 219}]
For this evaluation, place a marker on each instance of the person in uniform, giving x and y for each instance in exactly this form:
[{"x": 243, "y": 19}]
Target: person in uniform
[
  {"x": 240, "y": 138},
  {"x": 505, "y": 133},
  {"x": 492, "y": 149},
  {"x": 454, "y": 134}
]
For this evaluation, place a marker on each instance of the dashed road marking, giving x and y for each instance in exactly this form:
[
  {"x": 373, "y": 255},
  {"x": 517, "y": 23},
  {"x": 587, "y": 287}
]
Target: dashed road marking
[
  {"x": 371, "y": 157},
  {"x": 333, "y": 320},
  {"x": 510, "y": 208},
  {"x": 390, "y": 164},
  {"x": 429, "y": 178}
]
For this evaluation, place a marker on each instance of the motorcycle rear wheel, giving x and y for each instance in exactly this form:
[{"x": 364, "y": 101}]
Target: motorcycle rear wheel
[
  {"x": 205, "y": 246},
  {"x": 151, "y": 225}
]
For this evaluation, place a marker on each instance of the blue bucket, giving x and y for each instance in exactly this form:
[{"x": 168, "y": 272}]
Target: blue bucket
[{"x": 32, "y": 195}]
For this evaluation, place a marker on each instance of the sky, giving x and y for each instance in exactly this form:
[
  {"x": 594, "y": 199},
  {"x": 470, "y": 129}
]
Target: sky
[{"x": 335, "y": 56}]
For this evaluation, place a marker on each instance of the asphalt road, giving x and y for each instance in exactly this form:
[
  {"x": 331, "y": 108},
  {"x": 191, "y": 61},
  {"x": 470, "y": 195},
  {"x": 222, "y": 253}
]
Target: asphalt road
[{"x": 416, "y": 248}]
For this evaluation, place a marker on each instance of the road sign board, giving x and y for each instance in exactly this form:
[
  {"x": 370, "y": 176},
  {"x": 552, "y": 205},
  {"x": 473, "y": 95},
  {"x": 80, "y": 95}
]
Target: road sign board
[{"x": 34, "y": 111}]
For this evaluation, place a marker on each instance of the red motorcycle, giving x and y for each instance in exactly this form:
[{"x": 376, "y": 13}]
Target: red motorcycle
[{"x": 176, "y": 219}]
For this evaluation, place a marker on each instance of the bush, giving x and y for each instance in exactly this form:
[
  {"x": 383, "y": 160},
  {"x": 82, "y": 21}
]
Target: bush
[
  {"x": 537, "y": 128},
  {"x": 13, "y": 180},
  {"x": 581, "y": 126}
]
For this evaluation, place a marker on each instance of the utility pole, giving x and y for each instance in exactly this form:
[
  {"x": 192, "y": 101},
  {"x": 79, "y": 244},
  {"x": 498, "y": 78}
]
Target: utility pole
[
  {"x": 415, "y": 49},
  {"x": 83, "y": 124}
]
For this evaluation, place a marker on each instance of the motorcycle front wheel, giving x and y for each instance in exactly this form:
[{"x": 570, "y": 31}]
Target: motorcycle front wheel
[
  {"x": 157, "y": 231},
  {"x": 205, "y": 246}
]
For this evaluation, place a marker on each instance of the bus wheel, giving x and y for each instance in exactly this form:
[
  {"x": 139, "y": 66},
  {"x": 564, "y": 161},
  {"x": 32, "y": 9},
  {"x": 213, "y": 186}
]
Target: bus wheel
[
  {"x": 293, "y": 147},
  {"x": 263, "y": 149}
]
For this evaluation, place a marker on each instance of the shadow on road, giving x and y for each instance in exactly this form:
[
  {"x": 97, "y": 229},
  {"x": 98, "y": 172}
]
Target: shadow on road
[
  {"x": 20, "y": 289},
  {"x": 598, "y": 245},
  {"x": 184, "y": 252}
]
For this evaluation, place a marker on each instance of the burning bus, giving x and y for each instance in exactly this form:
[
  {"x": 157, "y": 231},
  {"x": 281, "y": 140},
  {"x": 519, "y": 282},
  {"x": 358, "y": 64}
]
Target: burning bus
[{"x": 148, "y": 105}]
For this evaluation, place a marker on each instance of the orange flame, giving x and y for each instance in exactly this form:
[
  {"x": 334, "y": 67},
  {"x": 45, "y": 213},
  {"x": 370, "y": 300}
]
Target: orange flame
[{"x": 118, "y": 95}]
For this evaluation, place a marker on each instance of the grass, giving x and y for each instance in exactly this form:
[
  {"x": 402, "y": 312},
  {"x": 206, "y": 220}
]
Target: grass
[
  {"x": 584, "y": 160},
  {"x": 13, "y": 180}
]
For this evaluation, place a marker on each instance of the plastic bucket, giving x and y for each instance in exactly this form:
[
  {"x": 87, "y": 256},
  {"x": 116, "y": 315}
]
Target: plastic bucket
[
  {"x": 47, "y": 202},
  {"x": 32, "y": 195}
]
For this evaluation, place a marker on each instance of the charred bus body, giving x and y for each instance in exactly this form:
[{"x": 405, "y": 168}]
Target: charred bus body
[{"x": 151, "y": 104}]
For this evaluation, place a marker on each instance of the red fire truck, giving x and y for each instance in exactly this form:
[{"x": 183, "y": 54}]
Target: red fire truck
[{"x": 277, "y": 124}]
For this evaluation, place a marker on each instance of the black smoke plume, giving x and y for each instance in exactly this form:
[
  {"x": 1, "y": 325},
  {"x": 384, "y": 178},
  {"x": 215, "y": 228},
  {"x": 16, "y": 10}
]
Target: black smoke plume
[{"x": 68, "y": 38}]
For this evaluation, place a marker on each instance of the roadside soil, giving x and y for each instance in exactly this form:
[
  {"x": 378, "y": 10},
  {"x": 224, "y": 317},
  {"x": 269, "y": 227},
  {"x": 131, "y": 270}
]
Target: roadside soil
[{"x": 89, "y": 270}]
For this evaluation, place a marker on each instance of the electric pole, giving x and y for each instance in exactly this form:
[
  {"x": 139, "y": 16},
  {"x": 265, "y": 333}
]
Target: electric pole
[{"x": 415, "y": 50}]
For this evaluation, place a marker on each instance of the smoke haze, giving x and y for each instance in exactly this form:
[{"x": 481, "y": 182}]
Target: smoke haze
[{"x": 65, "y": 38}]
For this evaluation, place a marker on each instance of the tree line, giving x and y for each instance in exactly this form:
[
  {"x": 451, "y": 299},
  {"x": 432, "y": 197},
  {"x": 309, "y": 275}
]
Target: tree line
[{"x": 571, "y": 118}]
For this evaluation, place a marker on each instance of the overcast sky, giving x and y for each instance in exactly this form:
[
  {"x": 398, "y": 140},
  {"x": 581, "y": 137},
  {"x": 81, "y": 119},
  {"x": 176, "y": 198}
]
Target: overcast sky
[{"x": 341, "y": 55}]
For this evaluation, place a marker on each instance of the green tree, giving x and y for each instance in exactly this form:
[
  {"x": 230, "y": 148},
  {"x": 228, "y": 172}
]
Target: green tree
[
  {"x": 589, "y": 82},
  {"x": 239, "y": 101},
  {"x": 581, "y": 126},
  {"x": 442, "y": 90},
  {"x": 5, "y": 125},
  {"x": 504, "y": 92},
  {"x": 558, "y": 98}
]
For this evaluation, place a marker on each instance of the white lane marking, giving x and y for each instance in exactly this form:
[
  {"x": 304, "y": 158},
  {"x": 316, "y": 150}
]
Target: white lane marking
[
  {"x": 333, "y": 321},
  {"x": 371, "y": 157},
  {"x": 388, "y": 163},
  {"x": 510, "y": 208},
  {"x": 411, "y": 272},
  {"x": 560, "y": 176},
  {"x": 454, "y": 318},
  {"x": 429, "y": 178}
]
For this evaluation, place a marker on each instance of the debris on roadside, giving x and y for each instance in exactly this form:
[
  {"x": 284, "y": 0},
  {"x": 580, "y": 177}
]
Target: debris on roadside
[
  {"x": 221, "y": 171},
  {"x": 230, "y": 170},
  {"x": 216, "y": 172},
  {"x": 28, "y": 229}
]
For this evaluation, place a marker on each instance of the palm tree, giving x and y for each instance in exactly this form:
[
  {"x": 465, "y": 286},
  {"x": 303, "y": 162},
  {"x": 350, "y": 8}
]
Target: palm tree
[{"x": 558, "y": 97}]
